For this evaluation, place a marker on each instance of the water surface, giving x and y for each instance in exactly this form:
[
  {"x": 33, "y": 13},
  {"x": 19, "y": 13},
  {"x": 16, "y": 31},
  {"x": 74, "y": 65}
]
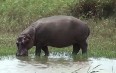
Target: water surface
[{"x": 61, "y": 63}]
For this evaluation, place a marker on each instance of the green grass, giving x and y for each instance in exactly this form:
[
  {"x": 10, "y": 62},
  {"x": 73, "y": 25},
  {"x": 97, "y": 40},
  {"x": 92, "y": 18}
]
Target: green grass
[
  {"x": 23, "y": 12},
  {"x": 102, "y": 41},
  {"x": 16, "y": 15},
  {"x": 7, "y": 44}
]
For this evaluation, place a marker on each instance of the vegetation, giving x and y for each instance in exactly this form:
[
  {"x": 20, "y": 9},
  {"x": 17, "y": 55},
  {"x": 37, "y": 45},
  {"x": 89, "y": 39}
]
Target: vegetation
[
  {"x": 93, "y": 8},
  {"x": 16, "y": 15},
  {"x": 102, "y": 40},
  {"x": 90, "y": 70}
]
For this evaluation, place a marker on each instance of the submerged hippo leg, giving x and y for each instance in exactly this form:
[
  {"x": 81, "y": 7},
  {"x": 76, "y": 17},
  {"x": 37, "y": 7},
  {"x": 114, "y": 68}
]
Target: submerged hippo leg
[
  {"x": 83, "y": 46},
  {"x": 45, "y": 49},
  {"x": 38, "y": 50},
  {"x": 76, "y": 49}
]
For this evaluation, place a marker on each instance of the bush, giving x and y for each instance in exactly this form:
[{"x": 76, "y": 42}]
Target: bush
[{"x": 93, "y": 8}]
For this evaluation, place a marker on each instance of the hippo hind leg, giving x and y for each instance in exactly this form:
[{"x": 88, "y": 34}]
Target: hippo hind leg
[
  {"x": 83, "y": 46},
  {"x": 76, "y": 48}
]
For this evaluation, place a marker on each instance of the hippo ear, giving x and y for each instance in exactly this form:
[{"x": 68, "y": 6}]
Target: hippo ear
[{"x": 26, "y": 38}]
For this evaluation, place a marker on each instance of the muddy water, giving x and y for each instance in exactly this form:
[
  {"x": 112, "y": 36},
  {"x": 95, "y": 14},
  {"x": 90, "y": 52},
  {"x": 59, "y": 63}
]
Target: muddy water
[{"x": 62, "y": 63}]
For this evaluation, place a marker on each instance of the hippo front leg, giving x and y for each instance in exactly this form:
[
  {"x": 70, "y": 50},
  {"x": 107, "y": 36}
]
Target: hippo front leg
[
  {"x": 45, "y": 49},
  {"x": 38, "y": 50}
]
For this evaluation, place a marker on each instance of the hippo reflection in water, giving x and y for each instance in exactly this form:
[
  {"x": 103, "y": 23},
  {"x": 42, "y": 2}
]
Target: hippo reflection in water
[{"x": 56, "y": 31}]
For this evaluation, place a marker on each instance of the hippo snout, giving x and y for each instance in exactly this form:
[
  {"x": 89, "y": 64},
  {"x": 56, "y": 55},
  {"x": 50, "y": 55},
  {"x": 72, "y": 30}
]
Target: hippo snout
[
  {"x": 18, "y": 54},
  {"x": 22, "y": 53}
]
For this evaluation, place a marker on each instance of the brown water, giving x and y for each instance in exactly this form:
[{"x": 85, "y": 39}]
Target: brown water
[{"x": 61, "y": 63}]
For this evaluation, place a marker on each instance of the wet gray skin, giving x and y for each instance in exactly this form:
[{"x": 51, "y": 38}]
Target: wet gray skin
[{"x": 58, "y": 63}]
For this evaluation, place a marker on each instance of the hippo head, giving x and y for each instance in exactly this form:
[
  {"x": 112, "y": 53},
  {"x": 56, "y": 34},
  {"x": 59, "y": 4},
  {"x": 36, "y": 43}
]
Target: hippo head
[{"x": 24, "y": 43}]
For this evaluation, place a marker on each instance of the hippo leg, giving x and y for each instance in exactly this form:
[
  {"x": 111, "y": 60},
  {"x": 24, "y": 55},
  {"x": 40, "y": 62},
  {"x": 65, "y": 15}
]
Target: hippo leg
[
  {"x": 83, "y": 46},
  {"x": 45, "y": 49},
  {"x": 76, "y": 49},
  {"x": 38, "y": 50}
]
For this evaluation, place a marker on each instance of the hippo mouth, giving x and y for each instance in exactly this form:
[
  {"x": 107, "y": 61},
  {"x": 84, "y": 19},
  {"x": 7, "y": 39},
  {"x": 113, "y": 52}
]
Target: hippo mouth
[{"x": 23, "y": 52}]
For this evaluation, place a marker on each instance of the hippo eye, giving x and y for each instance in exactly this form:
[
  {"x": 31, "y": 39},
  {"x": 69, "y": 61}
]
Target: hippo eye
[{"x": 26, "y": 39}]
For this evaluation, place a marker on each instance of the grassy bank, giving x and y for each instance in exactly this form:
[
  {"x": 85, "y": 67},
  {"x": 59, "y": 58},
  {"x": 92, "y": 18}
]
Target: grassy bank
[{"x": 16, "y": 15}]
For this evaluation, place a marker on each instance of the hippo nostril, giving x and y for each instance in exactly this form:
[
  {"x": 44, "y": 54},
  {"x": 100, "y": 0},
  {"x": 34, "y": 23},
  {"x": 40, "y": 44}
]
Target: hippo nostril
[
  {"x": 22, "y": 54},
  {"x": 18, "y": 54}
]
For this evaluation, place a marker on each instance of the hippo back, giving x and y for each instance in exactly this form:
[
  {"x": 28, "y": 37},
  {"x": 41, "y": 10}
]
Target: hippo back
[{"x": 60, "y": 31}]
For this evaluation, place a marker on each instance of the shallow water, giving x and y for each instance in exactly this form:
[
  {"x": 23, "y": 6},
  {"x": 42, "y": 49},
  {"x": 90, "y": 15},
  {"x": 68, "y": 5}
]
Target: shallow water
[{"x": 61, "y": 63}]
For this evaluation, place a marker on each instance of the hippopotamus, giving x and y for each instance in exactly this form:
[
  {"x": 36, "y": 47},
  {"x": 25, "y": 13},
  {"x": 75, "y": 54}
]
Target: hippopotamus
[{"x": 56, "y": 31}]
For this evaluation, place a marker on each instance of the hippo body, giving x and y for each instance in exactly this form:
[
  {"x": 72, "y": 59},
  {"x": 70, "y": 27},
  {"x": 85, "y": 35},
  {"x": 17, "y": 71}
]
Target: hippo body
[{"x": 56, "y": 31}]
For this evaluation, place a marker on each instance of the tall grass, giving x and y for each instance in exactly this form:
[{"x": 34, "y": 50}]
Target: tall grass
[
  {"x": 15, "y": 15},
  {"x": 7, "y": 44},
  {"x": 102, "y": 41}
]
